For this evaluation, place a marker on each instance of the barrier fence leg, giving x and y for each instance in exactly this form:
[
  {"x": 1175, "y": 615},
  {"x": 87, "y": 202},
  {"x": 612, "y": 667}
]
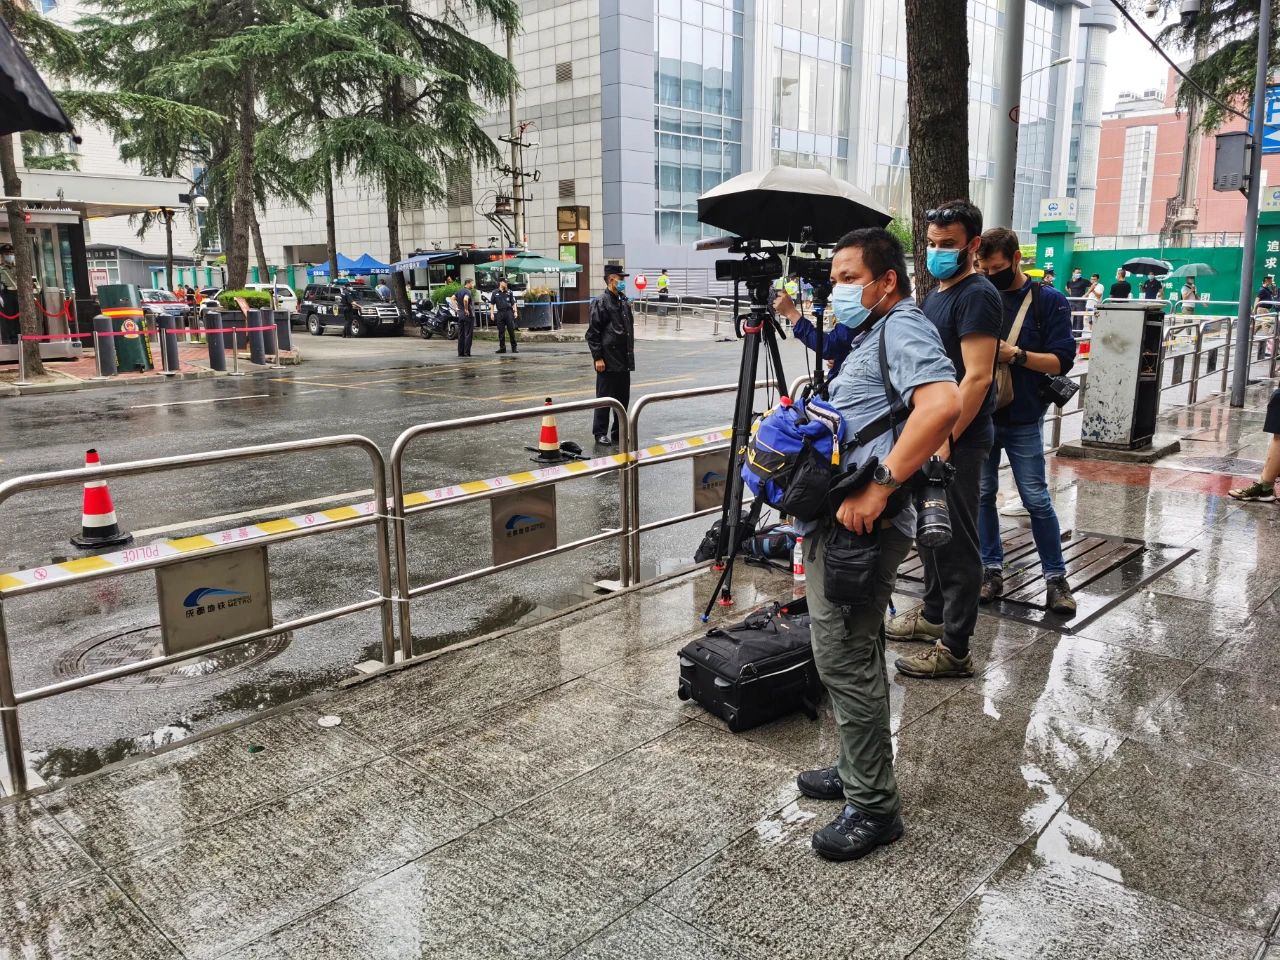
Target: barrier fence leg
[
  {"x": 14, "y": 759},
  {"x": 1226, "y": 359}
]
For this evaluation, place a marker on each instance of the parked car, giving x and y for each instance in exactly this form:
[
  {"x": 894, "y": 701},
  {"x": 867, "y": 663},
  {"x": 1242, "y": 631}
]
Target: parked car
[
  {"x": 321, "y": 307},
  {"x": 286, "y": 299},
  {"x": 157, "y": 302}
]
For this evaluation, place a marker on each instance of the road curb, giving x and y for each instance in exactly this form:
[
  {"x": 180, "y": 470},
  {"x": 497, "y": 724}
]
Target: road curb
[{"x": 70, "y": 385}]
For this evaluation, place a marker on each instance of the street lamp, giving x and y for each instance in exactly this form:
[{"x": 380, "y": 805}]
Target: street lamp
[{"x": 1061, "y": 61}]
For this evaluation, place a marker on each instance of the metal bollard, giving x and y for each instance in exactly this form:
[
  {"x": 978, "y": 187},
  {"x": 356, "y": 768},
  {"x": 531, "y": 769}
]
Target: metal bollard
[
  {"x": 257, "y": 348},
  {"x": 107, "y": 367},
  {"x": 214, "y": 341},
  {"x": 168, "y": 346},
  {"x": 269, "y": 336},
  {"x": 284, "y": 336}
]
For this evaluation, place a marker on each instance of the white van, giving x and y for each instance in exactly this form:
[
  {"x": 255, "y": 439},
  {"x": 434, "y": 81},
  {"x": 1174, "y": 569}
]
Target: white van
[{"x": 286, "y": 299}]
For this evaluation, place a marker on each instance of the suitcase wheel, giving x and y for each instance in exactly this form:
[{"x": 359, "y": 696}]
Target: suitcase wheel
[
  {"x": 683, "y": 691},
  {"x": 731, "y": 718}
]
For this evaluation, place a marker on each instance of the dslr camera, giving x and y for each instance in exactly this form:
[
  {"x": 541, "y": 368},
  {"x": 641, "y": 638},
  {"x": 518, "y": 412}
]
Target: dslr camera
[{"x": 933, "y": 519}]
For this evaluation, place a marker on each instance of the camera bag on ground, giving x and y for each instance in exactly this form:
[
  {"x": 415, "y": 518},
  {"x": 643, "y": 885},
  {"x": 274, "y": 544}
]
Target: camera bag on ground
[
  {"x": 711, "y": 539},
  {"x": 756, "y": 670},
  {"x": 793, "y": 453}
]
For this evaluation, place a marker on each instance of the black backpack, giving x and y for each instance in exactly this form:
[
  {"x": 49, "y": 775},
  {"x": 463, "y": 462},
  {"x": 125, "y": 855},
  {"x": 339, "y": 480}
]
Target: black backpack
[{"x": 756, "y": 670}]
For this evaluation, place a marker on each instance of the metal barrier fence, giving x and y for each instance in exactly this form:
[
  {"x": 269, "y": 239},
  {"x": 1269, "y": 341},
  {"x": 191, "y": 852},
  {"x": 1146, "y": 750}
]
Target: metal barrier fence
[
  {"x": 11, "y": 700},
  {"x": 399, "y": 512}
]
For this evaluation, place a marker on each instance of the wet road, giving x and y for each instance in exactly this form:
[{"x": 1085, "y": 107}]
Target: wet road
[{"x": 376, "y": 388}]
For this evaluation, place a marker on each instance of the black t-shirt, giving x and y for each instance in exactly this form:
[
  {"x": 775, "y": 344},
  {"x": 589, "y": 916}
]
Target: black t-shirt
[
  {"x": 970, "y": 306},
  {"x": 1077, "y": 287},
  {"x": 1152, "y": 289},
  {"x": 1121, "y": 290}
]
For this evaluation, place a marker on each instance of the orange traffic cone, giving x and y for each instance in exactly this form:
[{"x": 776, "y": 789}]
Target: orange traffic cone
[
  {"x": 549, "y": 450},
  {"x": 99, "y": 526}
]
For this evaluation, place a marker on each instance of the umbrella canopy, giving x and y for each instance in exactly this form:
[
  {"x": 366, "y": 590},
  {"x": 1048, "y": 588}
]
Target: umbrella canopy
[
  {"x": 778, "y": 203},
  {"x": 1148, "y": 265},
  {"x": 1194, "y": 270},
  {"x": 421, "y": 260},
  {"x": 366, "y": 263},
  {"x": 25, "y": 101},
  {"x": 531, "y": 263}
]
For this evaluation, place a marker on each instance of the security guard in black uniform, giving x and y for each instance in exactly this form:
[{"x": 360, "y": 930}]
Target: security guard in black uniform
[
  {"x": 503, "y": 302},
  {"x": 611, "y": 335}
]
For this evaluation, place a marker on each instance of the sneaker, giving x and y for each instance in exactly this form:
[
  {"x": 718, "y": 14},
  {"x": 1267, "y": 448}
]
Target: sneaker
[
  {"x": 913, "y": 626},
  {"x": 853, "y": 834},
  {"x": 1256, "y": 492},
  {"x": 822, "y": 784},
  {"x": 602, "y": 441},
  {"x": 1059, "y": 598},
  {"x": 935, "y": 663},
  {"x": 992, "y": 585}
]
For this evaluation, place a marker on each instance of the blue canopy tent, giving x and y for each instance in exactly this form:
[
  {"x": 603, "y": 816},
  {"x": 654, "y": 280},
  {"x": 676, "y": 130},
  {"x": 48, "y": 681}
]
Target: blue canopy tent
[{"x": 363, "y": 266}]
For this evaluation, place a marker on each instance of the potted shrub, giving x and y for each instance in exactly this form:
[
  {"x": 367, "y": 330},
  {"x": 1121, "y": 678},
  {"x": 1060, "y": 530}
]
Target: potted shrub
[{"x": 538, "y": 312}]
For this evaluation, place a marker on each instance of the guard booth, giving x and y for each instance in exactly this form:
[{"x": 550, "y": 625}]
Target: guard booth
[{"x": 1126, "y": 360}]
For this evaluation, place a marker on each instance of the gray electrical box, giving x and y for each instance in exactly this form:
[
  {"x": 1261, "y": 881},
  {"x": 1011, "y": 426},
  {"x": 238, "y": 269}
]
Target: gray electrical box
[{"x": 1231, "y": 161}]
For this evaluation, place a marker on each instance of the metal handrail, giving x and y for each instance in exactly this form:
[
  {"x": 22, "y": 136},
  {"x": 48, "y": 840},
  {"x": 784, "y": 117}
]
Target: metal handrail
[
  {"x": 10, "y": 700},
  {"x": 405, "y": 592}
]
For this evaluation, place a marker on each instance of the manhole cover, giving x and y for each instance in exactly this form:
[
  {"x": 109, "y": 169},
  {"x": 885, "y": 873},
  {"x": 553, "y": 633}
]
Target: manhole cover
[{"x": 116, "y": 649}]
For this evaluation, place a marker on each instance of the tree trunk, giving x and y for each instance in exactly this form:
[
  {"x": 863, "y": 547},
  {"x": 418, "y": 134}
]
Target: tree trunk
[
  {"x": 168, "y": 246},
  {"x": 23, "y": 268},
  {"x": 938, "y": 112},
  {"x": 264, "y": 269},
  {"x": 330, "y": 226},
  {"x": 398, "y": 286},
  {"x": 242, "y": 200}
]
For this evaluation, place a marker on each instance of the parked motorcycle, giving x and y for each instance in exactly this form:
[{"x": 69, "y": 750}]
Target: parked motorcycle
[{"x": 435, "y": 320}]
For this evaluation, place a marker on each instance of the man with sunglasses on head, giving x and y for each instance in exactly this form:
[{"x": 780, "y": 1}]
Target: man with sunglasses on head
[{"x": 967, "y": 312}]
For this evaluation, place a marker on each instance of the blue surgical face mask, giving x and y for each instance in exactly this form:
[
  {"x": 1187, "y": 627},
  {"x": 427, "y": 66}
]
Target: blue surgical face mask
[
  {"x": 943, "y": 264},
  {"x": 846, "y": 304},
  {"x": 622, "y": 286}
]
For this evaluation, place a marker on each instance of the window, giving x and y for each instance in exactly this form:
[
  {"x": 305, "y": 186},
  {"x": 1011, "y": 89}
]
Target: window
[{"x": 1135, "y": 179}]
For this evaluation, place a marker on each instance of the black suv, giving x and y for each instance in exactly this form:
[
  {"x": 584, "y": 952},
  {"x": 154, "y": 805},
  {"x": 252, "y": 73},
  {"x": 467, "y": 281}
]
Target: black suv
[{"x": 321, "y": 306}]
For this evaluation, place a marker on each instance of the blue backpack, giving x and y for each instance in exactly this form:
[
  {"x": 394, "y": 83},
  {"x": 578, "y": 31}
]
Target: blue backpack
[{"x": 793, "y": 454}]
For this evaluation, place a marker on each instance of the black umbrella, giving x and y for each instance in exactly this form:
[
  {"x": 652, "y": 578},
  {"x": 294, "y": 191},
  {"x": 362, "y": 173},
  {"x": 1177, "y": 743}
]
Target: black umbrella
[
  {"x": 1157, "y": 268},
  {"x": 25, "y": 101},
  {"x": 779, "y": 203}
]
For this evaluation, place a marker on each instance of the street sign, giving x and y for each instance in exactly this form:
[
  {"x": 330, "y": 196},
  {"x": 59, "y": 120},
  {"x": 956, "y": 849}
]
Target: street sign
[
  {"x": 1058, "y": 208},
  {"x": 641, "y": 282},
  {"x": 212, "y": 598},
  {"x": 1271, "y": 120},
  {"x": 709, "y": 473},
  {"x": 523, "y": 523}
]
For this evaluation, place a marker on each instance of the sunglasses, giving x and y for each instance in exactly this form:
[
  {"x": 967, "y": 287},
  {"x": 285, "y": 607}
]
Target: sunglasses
[{"x": 944, "y": 216}]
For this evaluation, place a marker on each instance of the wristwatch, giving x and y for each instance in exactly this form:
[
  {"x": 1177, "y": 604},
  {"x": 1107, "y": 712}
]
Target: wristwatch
[
  {"x": 1020, "y": 358},
  {"x": 884, "y": 476}
]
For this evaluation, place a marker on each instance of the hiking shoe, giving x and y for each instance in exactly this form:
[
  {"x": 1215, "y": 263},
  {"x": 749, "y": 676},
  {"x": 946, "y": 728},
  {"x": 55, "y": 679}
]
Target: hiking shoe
[
  {"x": 935, "y": 663},
  {"x": 853, "y": 834},
  {"x": 822, "y": 784},
  {"x": 1256, "y": 492},
  {"x": 992, "y": 585},
  {"x": 1059, "y": 598},
  {"x": 913, "y": 626}
]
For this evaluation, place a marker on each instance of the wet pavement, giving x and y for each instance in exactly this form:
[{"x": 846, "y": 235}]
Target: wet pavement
[{"x": 1107, "y": 792}]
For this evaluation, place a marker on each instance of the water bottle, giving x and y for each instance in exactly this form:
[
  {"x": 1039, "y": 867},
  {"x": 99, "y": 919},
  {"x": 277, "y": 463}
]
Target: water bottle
[{"x": 797, "y": 560}]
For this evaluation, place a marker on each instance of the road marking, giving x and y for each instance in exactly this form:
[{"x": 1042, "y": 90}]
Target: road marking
[
  {"x": 178, "y": 403},
  {"x": 233, "y": 517}
]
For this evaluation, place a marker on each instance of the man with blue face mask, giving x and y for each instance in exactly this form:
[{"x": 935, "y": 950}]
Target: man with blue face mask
[
  {"x": 967, "y": 312},
  {"x": 871, "y": 300}
]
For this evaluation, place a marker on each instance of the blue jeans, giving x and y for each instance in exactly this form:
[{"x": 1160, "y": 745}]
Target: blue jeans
[{"x": 1024, "y": 443}]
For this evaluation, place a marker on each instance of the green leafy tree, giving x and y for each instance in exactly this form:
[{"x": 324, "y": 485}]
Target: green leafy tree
[{"x": 1228, "y": 30}]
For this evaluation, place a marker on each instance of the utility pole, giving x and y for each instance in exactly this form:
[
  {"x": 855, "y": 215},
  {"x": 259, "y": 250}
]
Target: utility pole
[
  {"x": 1244, "y": 319},
  {"x": 517, "y": 191},
  {"x": 1182, "y": 213},
  {"x": 1004, "y": 150}
]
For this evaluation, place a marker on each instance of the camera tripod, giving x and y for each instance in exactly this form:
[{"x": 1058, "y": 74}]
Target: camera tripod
[{"x": 757, "y": 328}]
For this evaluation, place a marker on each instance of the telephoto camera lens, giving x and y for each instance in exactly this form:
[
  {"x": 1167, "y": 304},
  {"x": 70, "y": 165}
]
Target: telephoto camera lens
[{"x": 933, "y": 520}]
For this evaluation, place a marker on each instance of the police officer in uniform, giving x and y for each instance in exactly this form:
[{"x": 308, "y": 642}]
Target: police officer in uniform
[
  {"x": 504, "y": 310},
  {"x": 611, "y": 335},
  {"x": 8, "y": 296}
]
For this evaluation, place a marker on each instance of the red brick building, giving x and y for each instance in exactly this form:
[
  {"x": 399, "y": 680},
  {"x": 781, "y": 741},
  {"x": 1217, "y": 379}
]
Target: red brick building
[{"x": 1139, "y": 162}]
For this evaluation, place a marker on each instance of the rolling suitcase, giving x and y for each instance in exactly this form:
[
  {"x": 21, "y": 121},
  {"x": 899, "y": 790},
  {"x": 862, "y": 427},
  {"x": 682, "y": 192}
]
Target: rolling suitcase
[{"x": 756, "y": 670}]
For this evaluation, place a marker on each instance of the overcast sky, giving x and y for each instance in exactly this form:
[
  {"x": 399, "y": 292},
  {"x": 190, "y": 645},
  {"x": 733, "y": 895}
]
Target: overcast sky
[{"x": 1131, "y": 63}]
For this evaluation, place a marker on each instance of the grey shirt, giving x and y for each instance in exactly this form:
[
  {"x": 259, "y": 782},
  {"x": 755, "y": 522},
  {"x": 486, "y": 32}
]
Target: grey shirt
[{"x": 915, "y": 357}]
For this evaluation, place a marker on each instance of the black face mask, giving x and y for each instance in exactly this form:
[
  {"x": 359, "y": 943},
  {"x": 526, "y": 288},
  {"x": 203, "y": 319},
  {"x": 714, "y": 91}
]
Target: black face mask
[{"x": 1003, "y": 279}]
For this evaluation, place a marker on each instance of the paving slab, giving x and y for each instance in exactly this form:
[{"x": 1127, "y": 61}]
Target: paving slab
[
  {"x": 176, "y": 794},
  {"x": 36, "y": 853},
  {"x": 1001, "y": 768},
  {"x": 499, "y": 893},
  {"x": 769, "y": 896},
  {"x": 1221, "y": 578},
  {"x": 648, "y": 933},
  {"x": 230, "y": 884},
  {"x": 90, "y": 919},
  {"x": 1037, "y": 910},
  {"x": 1255, "y": 647},
  {"x": 511, "y": 756},
  {"x": 1167, "y": 625},
  {"x": 1091, "y": 683},
  {"x": 1180, "y": 828},
  {"x": 656, "y": 812}
]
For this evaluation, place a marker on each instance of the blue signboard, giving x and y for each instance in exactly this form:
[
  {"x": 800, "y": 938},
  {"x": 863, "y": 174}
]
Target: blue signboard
[{"x": 1271, "y": 121}]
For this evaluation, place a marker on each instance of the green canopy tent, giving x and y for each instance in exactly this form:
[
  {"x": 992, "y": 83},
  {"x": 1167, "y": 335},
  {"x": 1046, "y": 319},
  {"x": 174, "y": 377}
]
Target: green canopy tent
[{"x": 536, "y": 315}]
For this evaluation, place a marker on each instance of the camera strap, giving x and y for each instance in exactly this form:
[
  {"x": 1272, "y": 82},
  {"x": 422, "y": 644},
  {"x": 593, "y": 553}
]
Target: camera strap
[{"x": 898, "y": 411}]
